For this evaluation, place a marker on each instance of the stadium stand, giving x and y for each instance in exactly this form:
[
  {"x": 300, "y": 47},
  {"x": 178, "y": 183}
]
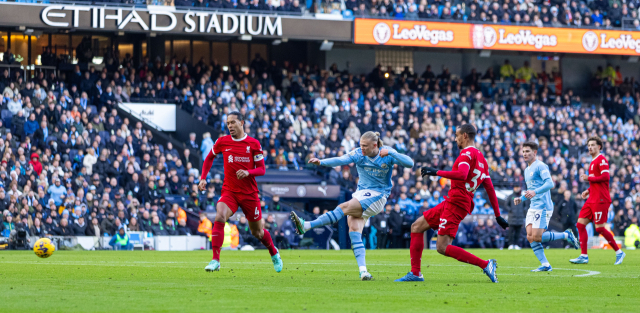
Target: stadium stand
[
  {"x": 590, "y": 14},
  {"x": 68, "y": 152}
]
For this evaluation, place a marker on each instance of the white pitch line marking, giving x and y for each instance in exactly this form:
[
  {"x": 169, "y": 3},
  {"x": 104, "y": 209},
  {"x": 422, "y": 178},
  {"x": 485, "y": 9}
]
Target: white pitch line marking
[{"x": 133, "y": 263}]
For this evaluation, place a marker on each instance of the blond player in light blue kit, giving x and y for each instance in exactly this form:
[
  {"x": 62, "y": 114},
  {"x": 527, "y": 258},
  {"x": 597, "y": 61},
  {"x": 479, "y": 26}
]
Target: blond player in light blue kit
[{"x": 374, "y": 163}]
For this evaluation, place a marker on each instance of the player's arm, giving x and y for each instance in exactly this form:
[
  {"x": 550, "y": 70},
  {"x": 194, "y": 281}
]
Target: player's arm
[
  {"x": 604, "y": 177},
  {"x": 206, "y": 165},
  {"x": 400, "y": 158},
  {"x": 333, "y": 162},
  {"x": 493, "y": 199},
  {"x": 260, "y": 169},
  {"x": 459, "y": 174},
  {"x": 547, "y": 184}
]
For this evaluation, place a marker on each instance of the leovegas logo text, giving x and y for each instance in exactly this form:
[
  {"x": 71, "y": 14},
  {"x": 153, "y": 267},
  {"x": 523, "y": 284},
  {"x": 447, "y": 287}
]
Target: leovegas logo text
[
  {"x": 592, "y": 41},
  {"x": 421, "y": 32},
  {"x": 521, "y": 37},
  {"x": 410, "y": 33},
  {"x": 382, "y": 33}
]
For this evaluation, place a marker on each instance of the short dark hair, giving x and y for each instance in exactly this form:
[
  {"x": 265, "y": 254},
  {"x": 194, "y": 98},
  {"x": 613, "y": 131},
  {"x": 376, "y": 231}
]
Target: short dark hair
[
  {"x": 532, "y": 145},
  {"x": 598, "y": 141},
  {"x": 237, "y": 115},
  {"x": 468, "y": 129}
]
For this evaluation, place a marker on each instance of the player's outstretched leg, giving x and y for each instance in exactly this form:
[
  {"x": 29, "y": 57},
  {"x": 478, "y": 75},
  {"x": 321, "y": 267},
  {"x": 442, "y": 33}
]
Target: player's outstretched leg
[
  {"x": 552, "y": 236},
  {"x": 489, "y": 267},
  {"x": 612, "y": 242},
  {"x": 223, "y": 213},
  {"x": 265, "y": 237},
  {"x": 584, "y": 240},
  {"x": 217, "y": 239},
  {"x": 536, "y": 237},
  {"x": 359, "y": 252},
  {"x": 415, "y": 250},
  {"x": 572, "y": 239},
  {"x": 325, "y": 219},
  {"x": 538, "y": 250}
]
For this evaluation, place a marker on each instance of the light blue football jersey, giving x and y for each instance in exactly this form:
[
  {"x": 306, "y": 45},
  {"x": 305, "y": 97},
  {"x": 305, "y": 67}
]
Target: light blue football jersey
[
  {"x": 375, "y": 173},
  {"x": 536, "y": 176}
]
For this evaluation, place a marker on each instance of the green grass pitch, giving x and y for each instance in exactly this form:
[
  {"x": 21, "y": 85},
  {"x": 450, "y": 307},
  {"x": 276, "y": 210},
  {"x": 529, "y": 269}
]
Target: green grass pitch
[{"x": 312, "y": 281}]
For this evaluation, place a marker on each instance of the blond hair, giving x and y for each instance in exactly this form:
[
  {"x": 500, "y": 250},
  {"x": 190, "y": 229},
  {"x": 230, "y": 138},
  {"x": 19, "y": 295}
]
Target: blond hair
[{"x": 373, "y": 136}]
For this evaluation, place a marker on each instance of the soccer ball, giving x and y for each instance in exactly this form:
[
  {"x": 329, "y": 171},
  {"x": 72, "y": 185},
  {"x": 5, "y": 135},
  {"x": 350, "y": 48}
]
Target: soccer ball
[{"x": 44, "y": 248}]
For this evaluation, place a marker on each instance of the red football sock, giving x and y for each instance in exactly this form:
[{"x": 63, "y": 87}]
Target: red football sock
[
  {"x": 609, "y": 236},
  {"x": 415, "y": 250},
  {"x": 267, "y": 242},
  {"x": 217, "y": 238},
  {"x": 584, "y": 237},
  {"x": 464, "y": 256}
]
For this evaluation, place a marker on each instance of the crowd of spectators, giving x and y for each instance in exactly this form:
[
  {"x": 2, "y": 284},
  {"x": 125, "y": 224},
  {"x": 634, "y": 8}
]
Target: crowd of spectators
[
  {"x": 607, "y": 14},
  {"x": 284, "y": 6},
  {"x": 67, "y": 153},
  {"x": 597, "y": 13}
]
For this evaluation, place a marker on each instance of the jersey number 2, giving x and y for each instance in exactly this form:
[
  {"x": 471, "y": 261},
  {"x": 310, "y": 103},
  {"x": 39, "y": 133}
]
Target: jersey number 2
[{"x": 474, "y": 180}]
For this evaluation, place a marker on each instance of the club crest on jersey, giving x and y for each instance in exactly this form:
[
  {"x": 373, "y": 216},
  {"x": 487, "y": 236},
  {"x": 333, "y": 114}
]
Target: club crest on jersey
[
  {"x": 230, "y": 159},
  {"x": 248, "y": 149},
  {"x": 384, "y": 166}
]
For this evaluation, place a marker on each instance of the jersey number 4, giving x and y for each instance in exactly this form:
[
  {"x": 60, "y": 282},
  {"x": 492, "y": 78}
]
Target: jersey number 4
[{"x": 474, "y": 180}]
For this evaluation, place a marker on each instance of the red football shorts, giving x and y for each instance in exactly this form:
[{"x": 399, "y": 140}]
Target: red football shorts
[
  {"x": 445, "y": 218},
  {"x": 596, "y": 212},
  {"x": 250, "y": 204}
]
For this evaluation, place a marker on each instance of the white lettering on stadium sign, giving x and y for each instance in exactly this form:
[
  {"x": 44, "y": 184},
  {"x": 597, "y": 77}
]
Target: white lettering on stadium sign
[
  {"x": 522, "y": 37},
  {"x": 202, "y": 22},
  {"x": 420, "y": 32},
  {"x": 591, "y": 41},
  {"x": 622, "y": 42},
  {"x": 279, "y": 190}
]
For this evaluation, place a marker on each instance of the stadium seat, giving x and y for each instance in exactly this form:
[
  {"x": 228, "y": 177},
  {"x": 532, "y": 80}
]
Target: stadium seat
[
  {"x": 72, "y": 154},
  {"x": 135, "y": 238},
  {"x": 104, "y": 136},
  {"x": 50, "y": 139},
  {"x": 6, "y": 114}
]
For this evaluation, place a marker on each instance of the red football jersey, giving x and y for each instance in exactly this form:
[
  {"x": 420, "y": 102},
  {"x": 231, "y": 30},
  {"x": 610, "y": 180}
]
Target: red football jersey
[
  {"x": 599, "y": 192},
  {"x": 238, "y": 154},
  {"x": 461, "y": 193}
]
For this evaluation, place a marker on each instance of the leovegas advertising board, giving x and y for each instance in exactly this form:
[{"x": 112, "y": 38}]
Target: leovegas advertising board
[
  {"x": 495, "y": 37},
  {"x": 412, "y": 33}
]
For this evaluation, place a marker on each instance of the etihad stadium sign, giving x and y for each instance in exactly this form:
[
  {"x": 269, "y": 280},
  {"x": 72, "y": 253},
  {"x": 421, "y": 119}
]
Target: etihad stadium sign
[
  {"x": 161, "y": 20},
  {"x": 165, "y": 19}
]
